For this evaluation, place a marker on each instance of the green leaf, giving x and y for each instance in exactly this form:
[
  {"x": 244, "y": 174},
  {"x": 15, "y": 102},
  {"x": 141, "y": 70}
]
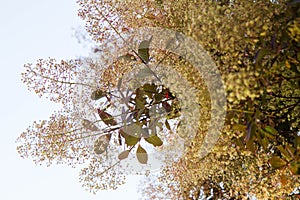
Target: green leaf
[
  {"x": 271, "y": 130},
  {"x": 107, "y": 118},
  {"x": 265, "y": 143},
  {"x": 89, "y": 125},
  {"x": 239, "y": 127},
  {"x": 295, "y": 167},
  {"x": 291, "y": 150},
  {"x": 158, "y": 97},
  {"x": 297, "y": 141},
  {"x": 143, "y": 50},
  {"x": 167, "y": 125},
  {"x": 131, "y": 138},
  {"x": 140, "y": 103},
  {"x": 123, "y": 155},
  {"x": 142, "y": 155},
  {"x": 266, "y": 134},
  {"x": 100, "y": 145},
  {"x": 150, "y": 89},
  {"x": 98, "y": 94},
  {"x": 284, "y": 152},
  {"x": 277, "y": 162},
  {"x": 155, "y": 140}
]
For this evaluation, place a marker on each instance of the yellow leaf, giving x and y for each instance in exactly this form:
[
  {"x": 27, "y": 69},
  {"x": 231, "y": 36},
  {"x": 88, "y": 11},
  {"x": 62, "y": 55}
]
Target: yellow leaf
[
  {"x": 142, "y": 155},
  {"x": 97, "y": 94},
  {"x": 239, "y": 127},
  {"x": 155, "y": 140},
  {"x": 263, "y": 34},
  {"x": 287, "y": 64},
  {"x": 143, "y": 50},
  {"x": 277, "y": 162}
]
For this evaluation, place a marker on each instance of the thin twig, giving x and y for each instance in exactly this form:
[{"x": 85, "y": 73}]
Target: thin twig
[
  {"x": 112, "y": 166},
  {"x": 119, "y": 34}
]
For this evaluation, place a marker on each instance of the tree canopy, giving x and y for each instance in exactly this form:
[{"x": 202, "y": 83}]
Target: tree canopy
[{"x": 122, "y": 103}]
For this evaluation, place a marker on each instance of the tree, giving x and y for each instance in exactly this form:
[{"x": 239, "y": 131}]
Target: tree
[{"x": 255, "y": 46}]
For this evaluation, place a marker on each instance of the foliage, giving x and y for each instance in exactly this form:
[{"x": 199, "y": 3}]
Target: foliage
[{"x": 255, "y": 45}]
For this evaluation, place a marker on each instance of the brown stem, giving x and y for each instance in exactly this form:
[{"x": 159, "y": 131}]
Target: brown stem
[
  {"x": 59, "y": 81},
  {"x": 112, "y": 166}
]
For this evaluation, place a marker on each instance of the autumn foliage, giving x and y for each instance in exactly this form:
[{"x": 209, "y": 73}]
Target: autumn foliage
[{"x": 104, "y": 122}]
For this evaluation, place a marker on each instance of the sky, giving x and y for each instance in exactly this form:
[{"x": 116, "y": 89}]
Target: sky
[{"x": 30, "y": 30}]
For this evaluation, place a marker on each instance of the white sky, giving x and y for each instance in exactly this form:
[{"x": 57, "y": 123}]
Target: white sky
[{"x": 30, "y": 30}]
